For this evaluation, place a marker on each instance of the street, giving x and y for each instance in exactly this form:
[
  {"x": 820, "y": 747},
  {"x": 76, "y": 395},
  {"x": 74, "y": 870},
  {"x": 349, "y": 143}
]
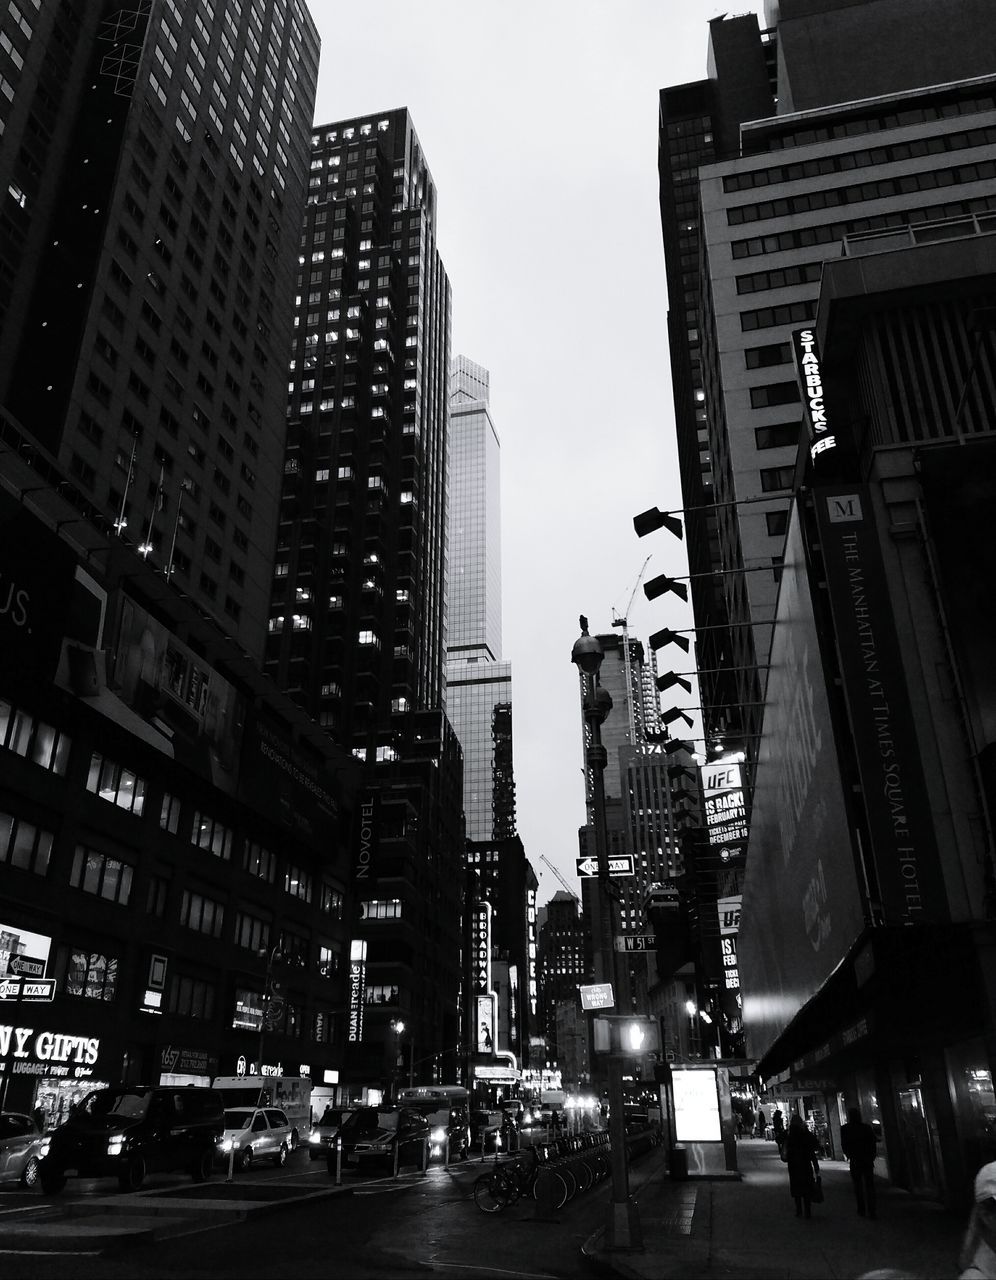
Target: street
[{"x": 375, "y": 1226}]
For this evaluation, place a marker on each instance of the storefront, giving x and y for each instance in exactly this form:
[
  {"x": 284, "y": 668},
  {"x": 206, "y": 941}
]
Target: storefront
[
  {"x": 48, "y": 1067},
  {"x": 183, "y": 1065}
]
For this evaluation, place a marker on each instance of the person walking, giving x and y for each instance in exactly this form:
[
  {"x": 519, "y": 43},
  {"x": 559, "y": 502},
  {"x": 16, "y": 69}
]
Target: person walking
[
  {"x": 778, "y": 1125},
  {"x": 801, "y": 1153},
  {"x": 858, "y": 1142}
]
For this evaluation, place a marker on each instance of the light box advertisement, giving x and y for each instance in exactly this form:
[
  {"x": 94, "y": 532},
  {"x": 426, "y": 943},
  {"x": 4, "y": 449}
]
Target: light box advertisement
[{"x": 696, "y": 1105}]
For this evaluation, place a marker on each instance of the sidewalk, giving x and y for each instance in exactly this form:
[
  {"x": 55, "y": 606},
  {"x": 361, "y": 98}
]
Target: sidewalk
[{"x": 746, "y": 1228}]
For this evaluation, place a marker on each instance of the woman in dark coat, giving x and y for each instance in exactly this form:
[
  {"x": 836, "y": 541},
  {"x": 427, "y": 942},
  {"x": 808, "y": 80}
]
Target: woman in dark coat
[{"x": 800, "y": 1152}]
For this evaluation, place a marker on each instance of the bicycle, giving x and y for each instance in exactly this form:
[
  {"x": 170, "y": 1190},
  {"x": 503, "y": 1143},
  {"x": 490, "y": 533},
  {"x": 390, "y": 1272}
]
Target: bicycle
[{"x": 505, "y": 1184}]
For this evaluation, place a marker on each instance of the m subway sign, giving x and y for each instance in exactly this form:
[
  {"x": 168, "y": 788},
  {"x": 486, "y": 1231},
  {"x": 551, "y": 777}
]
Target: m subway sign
[{"x": 811, "y": 382}]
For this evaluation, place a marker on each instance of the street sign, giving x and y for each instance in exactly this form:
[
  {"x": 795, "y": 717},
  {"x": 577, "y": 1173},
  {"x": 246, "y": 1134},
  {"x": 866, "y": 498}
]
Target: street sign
[
  {"x": 619, "y": 866},
  {"x": 26, "y": 965},
  {"x": 27, "y": 989},
  {"x": 597, "y": 996},
  {"x": 636, "y": 942}
]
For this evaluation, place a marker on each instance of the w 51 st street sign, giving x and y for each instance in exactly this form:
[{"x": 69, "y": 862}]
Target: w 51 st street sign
[{"x": 619, "y": 866}]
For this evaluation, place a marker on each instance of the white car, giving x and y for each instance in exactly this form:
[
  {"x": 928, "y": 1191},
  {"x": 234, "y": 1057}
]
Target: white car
[{"x": 260, "y": 1133}]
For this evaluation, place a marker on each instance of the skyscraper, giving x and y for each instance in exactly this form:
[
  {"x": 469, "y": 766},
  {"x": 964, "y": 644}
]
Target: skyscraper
[
  {"x": 358, "y": 618},
  {"x": 478, "y": 682},
  {"x": 155, "y": 158}
]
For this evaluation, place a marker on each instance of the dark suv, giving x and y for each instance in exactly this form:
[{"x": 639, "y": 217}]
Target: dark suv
[{"x": 130, "y": 1130}]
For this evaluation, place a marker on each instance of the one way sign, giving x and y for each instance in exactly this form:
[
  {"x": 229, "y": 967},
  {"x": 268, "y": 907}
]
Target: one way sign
[{"x": 620, "y": 866}]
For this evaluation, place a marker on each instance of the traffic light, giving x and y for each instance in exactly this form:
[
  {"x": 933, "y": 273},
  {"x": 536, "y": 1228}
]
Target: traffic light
[{"x": 633, "y": 1035}]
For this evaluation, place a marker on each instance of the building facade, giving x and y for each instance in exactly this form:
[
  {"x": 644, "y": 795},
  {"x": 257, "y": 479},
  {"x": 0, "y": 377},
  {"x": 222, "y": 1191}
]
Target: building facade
[
  {"x": 478, "y": 682},
  {"x": 357, "y": 626},
  {"x": 155, "y": 159}
]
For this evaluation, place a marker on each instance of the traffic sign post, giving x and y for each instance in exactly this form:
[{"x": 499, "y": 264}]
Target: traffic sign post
[{"x": 618, "y": 866}]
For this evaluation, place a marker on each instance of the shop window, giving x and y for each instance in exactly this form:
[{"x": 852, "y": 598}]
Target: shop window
[{"x": 88, "y": 975}]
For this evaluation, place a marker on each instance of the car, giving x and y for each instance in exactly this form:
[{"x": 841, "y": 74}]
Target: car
[
  {"x": 378, "y": 1135},
  {"x": 485, "y": 1130},
  {"x": 451, "y": 1122},
  {"x": 325, "y": 1131},
  {"x": 255, "y": 1133},
  {"x": 20, "y": 1148},
  {"x": 126, "y": 1131}
]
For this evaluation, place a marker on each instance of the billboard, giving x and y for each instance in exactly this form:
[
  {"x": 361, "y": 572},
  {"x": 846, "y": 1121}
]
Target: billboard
[
  {"x": 903, "y": 846},
  {"x": 725, "y": 810},
  {"x": 286, "y": 783},
  {"x": 802, "y": 907}
]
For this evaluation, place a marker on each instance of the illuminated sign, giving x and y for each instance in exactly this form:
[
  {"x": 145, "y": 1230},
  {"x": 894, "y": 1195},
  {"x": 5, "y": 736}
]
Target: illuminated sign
[
  {"x": 26, "y": 1045},
  {"x": 357, "y": 981},
  {"x": 480, "y": 925},
  {"x": 486, "y": 1024},
  {"x": 725, "y": 808},
  {"x": 597, "y": 995},
  {"x": 729, "y": 913},
  {"x": 811, "y": 379},
  {"x": 696, "y": 1105},
  {"x": 367, "y": 838}
]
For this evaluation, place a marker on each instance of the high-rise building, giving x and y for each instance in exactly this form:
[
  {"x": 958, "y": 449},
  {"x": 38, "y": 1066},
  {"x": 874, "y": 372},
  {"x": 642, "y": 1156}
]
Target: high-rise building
[
  {"x": 816, "y": 234},
  {"x": 154, "y": 161},
  {"x": 175, "y": 832},
  {"x": 478, "y": 682},
  {"x": 357, "y": 627},
  {"x": 564, "y": 963}
]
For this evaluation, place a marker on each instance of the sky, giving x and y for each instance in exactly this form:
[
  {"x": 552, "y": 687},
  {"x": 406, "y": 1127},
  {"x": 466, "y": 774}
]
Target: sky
[{"x": 538, "y": 121}]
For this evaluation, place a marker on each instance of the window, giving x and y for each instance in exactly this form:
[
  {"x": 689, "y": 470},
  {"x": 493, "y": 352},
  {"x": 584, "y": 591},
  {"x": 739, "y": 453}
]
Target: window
[
  {"x": 764, "y": 357},
  {"x": 381, "y": 909},
  {"x": 777, "y": 522},
  {"x": 85, "y": 974},
  {"x": 116, "y": 784},
  {"x": 251, "y": 932},
  {"x": 169, "y": 814},
  {"x": 297, "y": 883},
  {"x": 777, "y": 436},
  {"x": 103, "y": 876},
  {"x": 24, "y": 845},
  {"x": 330, "y": 901},
  {"x": 155, "y": 898},
  {"x": 774, "y": 393},
  {"x": 34, "y": 739},
  {"x": 260, "y": 862},
  {"x": 190, "y": 997},
  {"x": 773, "y": 478},
  {"x": 207, "y": 833},
  {"x": 328, "y": 961},
  {"x": 380, "y": 994},
  {"x": 201, "y": 914}
]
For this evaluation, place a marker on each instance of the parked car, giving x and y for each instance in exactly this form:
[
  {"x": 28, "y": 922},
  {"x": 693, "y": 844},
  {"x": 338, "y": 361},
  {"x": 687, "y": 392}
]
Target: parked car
[
  {"x": 130, "y": 1130},
  {"x": 452, "y": 1122},
  {"x": 255, "y": 1133},
  {"x": 371, "y": 1135},
  {"x": 20, "y": 1148},
  {"x": 485, "y": 1130},
  {"x": 326, "y": 1130}
]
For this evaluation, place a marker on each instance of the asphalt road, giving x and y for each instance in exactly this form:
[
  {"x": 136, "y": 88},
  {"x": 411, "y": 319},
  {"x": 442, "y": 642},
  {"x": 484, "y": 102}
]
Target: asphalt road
[{"x": 383, "y": 1229}]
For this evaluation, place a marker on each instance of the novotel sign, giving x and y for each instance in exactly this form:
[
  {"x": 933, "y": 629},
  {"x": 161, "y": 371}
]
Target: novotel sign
[{"x": 811, "y": 378}]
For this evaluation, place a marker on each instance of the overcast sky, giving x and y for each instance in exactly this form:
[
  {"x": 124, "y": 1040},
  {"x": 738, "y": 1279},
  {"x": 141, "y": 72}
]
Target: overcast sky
[{"x": 538, "y": 120}]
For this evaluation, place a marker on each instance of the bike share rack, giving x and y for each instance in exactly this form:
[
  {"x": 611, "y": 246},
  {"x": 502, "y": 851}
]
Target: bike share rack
[{"x": 569, "y": 1167}]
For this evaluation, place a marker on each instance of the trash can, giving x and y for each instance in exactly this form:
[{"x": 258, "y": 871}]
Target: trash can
[{"x": 679, "y": 1163}]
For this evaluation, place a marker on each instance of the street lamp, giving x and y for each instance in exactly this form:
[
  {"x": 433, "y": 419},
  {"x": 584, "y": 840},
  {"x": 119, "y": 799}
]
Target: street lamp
[
  {"x": 273, "y": 998},
  {"x": 623, "y": 1227},
  {"x": 398, "y": 1027}
]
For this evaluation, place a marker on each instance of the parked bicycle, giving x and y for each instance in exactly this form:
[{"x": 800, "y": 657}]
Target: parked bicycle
[{"x": 505, "y": 1184}]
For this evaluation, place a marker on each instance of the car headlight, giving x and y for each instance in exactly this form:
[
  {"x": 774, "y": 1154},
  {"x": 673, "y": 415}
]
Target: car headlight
[
  {"x": 116, "y": 1144},
  {"x": 438, "y": 1135},
  {"x": 316, "y": 1139},
  {"x": 227, "y": 1144},
  {"x": 43, "y": 1149}
]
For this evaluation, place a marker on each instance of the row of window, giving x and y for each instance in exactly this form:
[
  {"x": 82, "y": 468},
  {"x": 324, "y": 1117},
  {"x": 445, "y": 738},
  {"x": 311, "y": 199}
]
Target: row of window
[
  {"x": 878, "y": 189},
  {"x": 840, "y": 163},
  {"x": 881, "y": 122},
  {"x": 833, "y": 232}
]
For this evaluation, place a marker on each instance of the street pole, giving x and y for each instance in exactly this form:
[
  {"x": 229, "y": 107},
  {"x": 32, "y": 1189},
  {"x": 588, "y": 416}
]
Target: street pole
[{"x": 623, "y": 1225}]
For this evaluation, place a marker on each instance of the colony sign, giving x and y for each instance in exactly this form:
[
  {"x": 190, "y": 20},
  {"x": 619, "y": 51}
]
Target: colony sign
[{"x": 811, "y": 378}]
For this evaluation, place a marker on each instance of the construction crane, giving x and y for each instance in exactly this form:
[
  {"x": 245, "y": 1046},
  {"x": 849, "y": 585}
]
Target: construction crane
[
  {"x": 622, "y": 621},
  {"x": 544, "y": 858}
]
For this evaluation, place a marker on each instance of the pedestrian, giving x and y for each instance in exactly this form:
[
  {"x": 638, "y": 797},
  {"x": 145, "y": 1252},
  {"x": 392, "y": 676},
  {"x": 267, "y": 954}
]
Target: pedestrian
[
  {"x": 858, "y": 1142},
  {"x": 38, "y": 1116},
  {"x": 778, "y": 1125},
  {"x": 800, "y": 1152},
  {"x": 762, "y": 1121},
  {"x": 978, "y": 1251}
]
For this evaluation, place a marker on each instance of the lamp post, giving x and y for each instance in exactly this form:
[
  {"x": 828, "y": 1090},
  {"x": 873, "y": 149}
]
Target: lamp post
[{"x": 623, "y": 1226}]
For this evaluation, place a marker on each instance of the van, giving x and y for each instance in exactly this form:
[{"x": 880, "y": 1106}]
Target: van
[
  {"x": 130, "y": 1130},
  {"x": 290, "y": 1094}
]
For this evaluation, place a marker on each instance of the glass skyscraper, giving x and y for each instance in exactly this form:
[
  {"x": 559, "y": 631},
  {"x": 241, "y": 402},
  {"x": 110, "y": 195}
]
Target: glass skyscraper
[{"x": 479, "y": 683}]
